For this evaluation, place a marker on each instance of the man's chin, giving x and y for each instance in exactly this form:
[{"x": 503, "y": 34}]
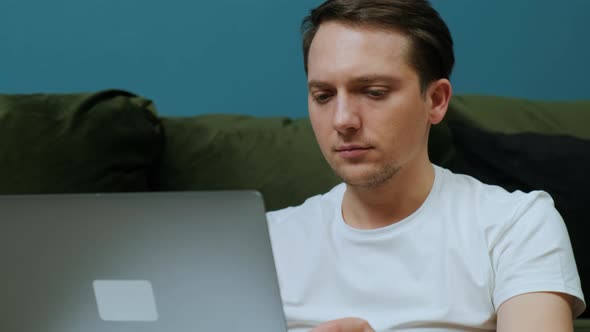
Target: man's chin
[
  {"x": 369, "y": 178},
  {"x": 364, "y": 183}
]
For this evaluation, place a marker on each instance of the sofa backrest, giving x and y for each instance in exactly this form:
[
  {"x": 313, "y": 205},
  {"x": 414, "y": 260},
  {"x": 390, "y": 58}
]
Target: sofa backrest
[{"x": 107, "y": 141}]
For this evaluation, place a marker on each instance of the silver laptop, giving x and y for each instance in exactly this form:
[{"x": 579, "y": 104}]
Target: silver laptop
[{"x": 166, "y": 262}]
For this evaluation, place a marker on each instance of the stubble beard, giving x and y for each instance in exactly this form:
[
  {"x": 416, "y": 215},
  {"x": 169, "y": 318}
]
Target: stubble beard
[{"x": 374, "y": 178}]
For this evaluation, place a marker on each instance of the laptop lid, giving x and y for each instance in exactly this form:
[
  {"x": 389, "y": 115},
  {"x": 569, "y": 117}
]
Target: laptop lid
[{"x": 184, "y": 261}]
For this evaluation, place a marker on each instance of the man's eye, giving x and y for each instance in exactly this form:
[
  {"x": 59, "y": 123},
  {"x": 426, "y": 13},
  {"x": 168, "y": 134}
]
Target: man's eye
[
  {"x": 376, "y": 93},
  {"x": 322, "y": 97}
]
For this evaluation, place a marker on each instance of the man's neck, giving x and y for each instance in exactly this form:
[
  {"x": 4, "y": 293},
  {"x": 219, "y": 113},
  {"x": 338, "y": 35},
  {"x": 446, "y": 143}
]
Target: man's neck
[{"x": 390, "y": 202}]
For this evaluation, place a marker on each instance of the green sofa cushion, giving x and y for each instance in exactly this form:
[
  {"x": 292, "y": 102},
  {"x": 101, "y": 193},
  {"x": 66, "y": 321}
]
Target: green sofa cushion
[
  {"x": 277, "y": 156},
  {"x": 582, "y": 325},
  {"x": 516, "y": 115},
  {"x": 65, "y": 143}
]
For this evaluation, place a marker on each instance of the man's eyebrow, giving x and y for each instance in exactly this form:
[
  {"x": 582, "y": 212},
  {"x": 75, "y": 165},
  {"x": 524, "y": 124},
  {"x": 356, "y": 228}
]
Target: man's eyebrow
[
  {"x": 365, "y": 79},
  {"x": 375, "y": 78},
  {"x": 317, "y": 84}
]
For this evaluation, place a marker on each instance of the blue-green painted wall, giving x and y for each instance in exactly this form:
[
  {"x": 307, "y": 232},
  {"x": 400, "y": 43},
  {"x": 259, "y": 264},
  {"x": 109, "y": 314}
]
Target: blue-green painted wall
[{"x": 236, "y": 56}]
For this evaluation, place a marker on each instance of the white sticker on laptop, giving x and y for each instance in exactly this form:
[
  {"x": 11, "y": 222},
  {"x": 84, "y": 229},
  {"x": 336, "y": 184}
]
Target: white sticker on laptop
[{"x": 125, "y": 300}]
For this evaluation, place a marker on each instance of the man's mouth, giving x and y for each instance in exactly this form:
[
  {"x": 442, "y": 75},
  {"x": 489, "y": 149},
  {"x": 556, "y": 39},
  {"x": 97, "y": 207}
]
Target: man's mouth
[{"x": 352, "y": 151}]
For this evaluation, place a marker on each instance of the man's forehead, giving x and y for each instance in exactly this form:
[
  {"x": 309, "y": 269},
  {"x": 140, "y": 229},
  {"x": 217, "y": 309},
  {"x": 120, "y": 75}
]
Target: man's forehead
[
  {"x": 336, "y": 32},
  {"x": 336, "y": 43},
  {"x": 341, "y": 52}
]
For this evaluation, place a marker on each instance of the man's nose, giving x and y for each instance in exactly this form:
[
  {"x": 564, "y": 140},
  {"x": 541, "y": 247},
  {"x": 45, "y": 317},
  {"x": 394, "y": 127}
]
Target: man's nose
[{"x": 346, "y": 115}]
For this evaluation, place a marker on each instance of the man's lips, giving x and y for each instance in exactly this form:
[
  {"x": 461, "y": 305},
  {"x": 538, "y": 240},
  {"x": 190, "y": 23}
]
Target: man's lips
[{"x": 352, "y": 151}]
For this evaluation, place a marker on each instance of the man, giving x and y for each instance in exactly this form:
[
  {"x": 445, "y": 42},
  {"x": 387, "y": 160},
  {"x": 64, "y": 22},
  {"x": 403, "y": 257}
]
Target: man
[{"x": 403, "y": 244}]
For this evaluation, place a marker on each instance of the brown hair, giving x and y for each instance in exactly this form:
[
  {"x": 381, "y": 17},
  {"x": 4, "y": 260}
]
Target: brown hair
[{"x": 431, "y": 44}]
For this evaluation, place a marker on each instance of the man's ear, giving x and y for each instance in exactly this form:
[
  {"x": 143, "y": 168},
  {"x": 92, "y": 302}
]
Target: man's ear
[{"x": 439, "y": 94}]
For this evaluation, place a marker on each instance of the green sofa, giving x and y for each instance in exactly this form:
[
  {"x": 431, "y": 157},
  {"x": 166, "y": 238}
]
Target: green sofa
[{"x": 115, "y": 141}]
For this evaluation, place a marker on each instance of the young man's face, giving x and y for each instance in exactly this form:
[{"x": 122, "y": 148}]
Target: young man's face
[{"x": 365, "y": 105}]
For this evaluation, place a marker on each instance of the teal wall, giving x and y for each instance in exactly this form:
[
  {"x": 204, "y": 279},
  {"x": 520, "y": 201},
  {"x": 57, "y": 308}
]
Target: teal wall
[{"x": 237, "y": 56}]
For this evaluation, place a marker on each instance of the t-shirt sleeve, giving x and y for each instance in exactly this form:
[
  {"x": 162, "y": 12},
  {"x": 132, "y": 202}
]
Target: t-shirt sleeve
[{"x": 532, "y": 253}]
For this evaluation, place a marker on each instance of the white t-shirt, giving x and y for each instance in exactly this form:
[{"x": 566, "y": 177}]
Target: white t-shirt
[{"x": 446, "y": 267}]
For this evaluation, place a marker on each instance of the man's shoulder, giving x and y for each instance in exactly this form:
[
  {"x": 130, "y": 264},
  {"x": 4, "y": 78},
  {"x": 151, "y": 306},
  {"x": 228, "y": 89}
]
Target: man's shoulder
[
  {"x": 471, "y": 192},
  {"x": 314, "y": 209},
  {"x": 495, "y": 210}
]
